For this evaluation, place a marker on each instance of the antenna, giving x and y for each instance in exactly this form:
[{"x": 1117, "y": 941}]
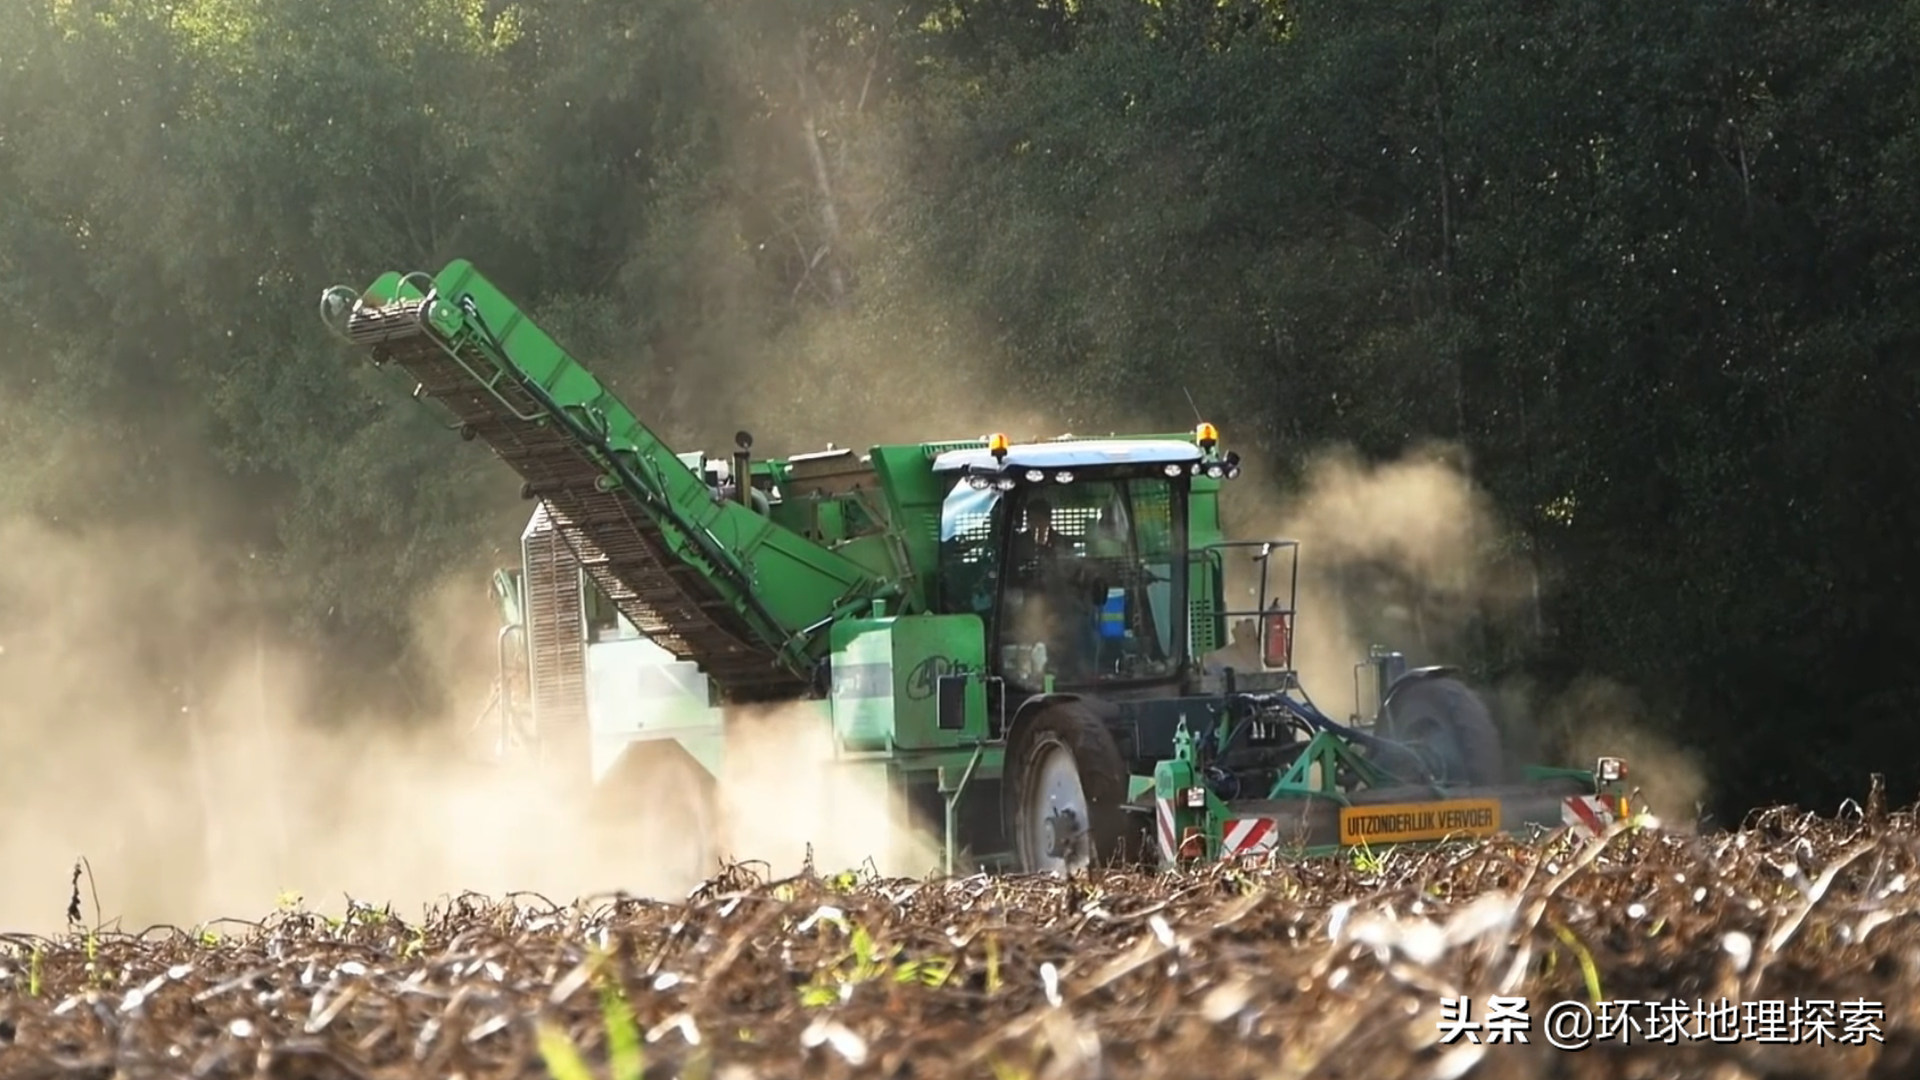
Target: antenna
[{"x": 1197, "y": 418}]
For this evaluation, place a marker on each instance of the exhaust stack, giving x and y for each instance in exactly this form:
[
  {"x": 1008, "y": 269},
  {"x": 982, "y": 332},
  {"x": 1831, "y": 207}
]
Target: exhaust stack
[{"x": 743, "y": 468}]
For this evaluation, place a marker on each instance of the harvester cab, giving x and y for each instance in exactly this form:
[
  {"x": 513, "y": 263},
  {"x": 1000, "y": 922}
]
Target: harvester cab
[
  {"x": 1071, "y": 553},
  {"x": 1027, "y": 643}
]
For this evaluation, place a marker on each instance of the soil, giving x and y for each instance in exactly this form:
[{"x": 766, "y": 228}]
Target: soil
[{"x": 1334, "y": 968}]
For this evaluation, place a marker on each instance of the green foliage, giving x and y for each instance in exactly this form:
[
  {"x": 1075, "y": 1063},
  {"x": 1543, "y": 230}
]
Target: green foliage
[
  {"x": 560, "y": 1056},
  {"x": 626, "y": 1058},
  {"x": 1650, "y": 265},
  {"x": 864, "y": 961},
  {"x": 1364, "y": 860},
  {"x": 1589, "y": 972},
  {"x": 624, "y": 1054}
]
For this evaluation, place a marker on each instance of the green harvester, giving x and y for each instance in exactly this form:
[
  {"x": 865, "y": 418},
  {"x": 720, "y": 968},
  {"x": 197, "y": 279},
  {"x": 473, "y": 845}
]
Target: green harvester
[{"x": 1024, "y": 642}]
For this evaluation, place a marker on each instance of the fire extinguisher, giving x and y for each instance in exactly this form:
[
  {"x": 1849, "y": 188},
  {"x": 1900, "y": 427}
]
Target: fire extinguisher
[{"x": 1276, "y": 638}]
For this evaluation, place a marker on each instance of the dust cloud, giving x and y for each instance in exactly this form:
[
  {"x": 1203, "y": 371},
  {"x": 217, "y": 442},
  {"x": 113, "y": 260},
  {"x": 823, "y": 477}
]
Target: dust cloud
[
  {"x": 1402, "y": 554},
  {"x": 785, "y": 799},
  {"x": 1596, "y": 717},
  {"x": 196, "y": 802},
  {"x": 200, "y": 801},
  {"x": 913, "y": 372},
  {"x": 861, "y": 343},
  {"x": 1411, "y": 555}
]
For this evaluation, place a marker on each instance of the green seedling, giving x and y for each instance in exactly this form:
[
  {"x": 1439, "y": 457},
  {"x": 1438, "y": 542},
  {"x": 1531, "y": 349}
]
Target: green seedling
[
  {"x": 624, "y": 1055},
  {"x": 1365, "y": 861},
  {"x": 869, "y": 963},
  {"x": 1004, "y": 1071},
  {"x": 1588, "y": 969},
  {"x": 625, "y": 1058},
  {"x": 96, "y": 977},
  {"x": 559, "y": 1054},
  {"x": 818, "y": 995}
]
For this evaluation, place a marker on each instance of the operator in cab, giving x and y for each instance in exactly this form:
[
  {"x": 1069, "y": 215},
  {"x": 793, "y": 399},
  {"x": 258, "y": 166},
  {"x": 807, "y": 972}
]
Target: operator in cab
[{"x": 1069, "y": 591}]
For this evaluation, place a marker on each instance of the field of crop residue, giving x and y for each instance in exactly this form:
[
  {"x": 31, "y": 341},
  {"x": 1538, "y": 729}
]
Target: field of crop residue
[{"x": 1328, "y": 969}]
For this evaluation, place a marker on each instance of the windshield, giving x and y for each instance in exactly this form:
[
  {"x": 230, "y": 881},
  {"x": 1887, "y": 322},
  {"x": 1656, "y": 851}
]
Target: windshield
[
  {"x": 968, "y": 523},
  {"x": 1090, "y": 592}
]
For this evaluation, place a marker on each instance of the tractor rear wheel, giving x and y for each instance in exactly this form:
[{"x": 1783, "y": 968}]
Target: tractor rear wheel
[
  {"x": 1066, "y": 793},
  {"x": 1449, "y": 727}
]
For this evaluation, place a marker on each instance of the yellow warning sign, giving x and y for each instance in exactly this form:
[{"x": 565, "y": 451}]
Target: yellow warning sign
[{"x": 1407, "y": 823}]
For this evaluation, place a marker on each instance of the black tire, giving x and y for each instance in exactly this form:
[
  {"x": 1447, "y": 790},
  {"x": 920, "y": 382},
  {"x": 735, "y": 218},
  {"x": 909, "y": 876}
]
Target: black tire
[
  {"x": 1061, "y": 735},
  {"x": 1450, "y": 729},
  {"x": 655, "y": 817}
]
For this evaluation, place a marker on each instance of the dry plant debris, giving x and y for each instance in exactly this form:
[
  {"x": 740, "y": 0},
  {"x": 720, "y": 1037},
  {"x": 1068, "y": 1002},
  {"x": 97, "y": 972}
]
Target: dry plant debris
[{"x": 1331, "y": 968}]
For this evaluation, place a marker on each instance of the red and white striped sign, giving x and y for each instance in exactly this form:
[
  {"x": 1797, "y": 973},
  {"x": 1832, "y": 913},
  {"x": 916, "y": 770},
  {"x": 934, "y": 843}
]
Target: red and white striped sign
[
  {"x": 1247, "y": 836},
  {"x": 1588, "y": 814},
  {"x": 1169, "y": 843}
]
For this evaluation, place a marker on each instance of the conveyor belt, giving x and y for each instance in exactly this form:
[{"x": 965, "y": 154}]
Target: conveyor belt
[
  {"x": 556, "y": 653},
  {"x": 621, "y": 548}
]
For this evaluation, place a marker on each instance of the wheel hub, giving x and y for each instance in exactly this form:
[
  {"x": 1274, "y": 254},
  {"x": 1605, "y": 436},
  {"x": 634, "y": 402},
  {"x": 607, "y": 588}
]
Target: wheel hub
[
  {"x": 1434, "y": 748},
  {"x": 1063, "y": 833},
  {"x": 1056, "y": 811}
]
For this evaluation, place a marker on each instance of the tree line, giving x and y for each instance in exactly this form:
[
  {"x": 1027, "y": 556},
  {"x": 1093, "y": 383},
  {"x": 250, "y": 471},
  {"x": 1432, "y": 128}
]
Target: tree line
[{"x": 1651, "y": 268}]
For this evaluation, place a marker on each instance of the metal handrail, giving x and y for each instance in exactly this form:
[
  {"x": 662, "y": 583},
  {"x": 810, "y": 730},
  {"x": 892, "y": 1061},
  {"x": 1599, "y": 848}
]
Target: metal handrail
[{"x": 1215, "y": 552}]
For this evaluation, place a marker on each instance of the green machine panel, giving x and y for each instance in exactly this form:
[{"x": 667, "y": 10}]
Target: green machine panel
[
  {"x": 925, "y": 648},
  {"x": 887, "y": 677},
  {"x": 862, "y": 694}
]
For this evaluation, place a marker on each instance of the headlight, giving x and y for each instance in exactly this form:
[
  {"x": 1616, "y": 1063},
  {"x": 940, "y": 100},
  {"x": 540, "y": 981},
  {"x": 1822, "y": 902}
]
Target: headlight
[
  {"x": 1064, "y": 476},
  {"x": 1035, "y": 476},
  {"x": 1172, "y": 470},
  {"x": 1611, "y": 770},
  {"x": 1216, "y": 471},
  {"x": 979, "y": 483},
  {"x": 1005, "y": 483}
]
